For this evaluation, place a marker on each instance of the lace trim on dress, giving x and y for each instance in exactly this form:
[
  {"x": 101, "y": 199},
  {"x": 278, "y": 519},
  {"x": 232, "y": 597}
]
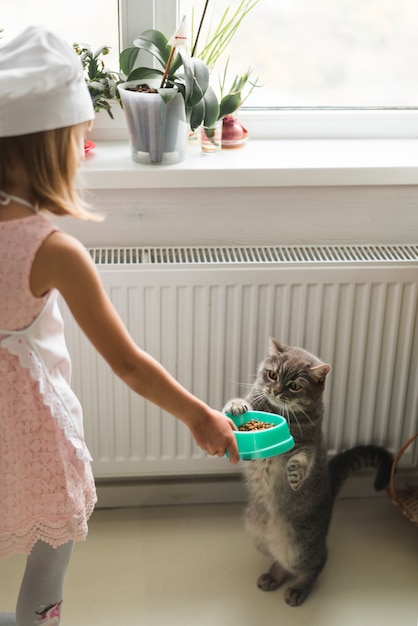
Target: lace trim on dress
[
  {"x": 53, "y": 532},
  {"x": 20, "y": 346}
]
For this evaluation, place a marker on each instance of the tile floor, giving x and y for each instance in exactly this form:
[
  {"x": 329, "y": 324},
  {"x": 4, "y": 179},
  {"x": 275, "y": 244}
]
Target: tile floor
[{"x": 194, "y": 565}]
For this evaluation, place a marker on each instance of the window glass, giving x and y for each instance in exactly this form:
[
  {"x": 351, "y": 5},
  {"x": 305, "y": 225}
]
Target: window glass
[
  {"x": 307, "y": 54},
  {"x": 92, "y": 22},
  {"x": 324, "y": 53}
]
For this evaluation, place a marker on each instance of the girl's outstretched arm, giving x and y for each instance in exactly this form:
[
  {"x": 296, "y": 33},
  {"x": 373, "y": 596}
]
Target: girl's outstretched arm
[{"x": 63, "y": 263}]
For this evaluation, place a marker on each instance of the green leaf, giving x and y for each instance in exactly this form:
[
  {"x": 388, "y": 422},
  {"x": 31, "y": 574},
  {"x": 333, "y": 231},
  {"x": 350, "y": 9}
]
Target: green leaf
[
  {"x": 142, "y": 73},
  {"x": 176, "y": 63},
  {"x": 93, "y": 68},
  {"x": 239, "y": 83},
  {"x": 219, "y": 37},
  {"x": 201, "y": 74},
  {"x": 154, "y": 42},
  {"x": 167, "y": 95},
  {"x": 196, "y": 79},
  {"x": 196, "y": 114},
  {"x": 211, "y": 107},
  {"x": 127, "y": 60},
  {"x": 229, "y": 104}
]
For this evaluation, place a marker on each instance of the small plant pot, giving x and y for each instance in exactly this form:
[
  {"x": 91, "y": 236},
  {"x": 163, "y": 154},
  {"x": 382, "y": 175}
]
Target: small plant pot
[
  {"x": 261, "y": 444},
  {"x": 211, "y": 138},
  {"x": 234, "y": 135},
  {"x": 157, "y": 124}
]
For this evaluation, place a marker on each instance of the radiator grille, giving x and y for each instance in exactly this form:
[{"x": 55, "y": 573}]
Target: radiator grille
[{"x": 260, "y": 255}]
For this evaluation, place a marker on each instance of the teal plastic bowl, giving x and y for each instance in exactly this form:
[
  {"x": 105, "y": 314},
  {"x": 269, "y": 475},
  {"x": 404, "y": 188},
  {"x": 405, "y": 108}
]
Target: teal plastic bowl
[{"x": 261, "y": 444}]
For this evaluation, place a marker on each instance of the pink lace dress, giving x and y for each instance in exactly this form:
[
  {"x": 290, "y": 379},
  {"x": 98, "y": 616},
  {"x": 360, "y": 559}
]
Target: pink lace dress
[{"x": 47, "y": 489}]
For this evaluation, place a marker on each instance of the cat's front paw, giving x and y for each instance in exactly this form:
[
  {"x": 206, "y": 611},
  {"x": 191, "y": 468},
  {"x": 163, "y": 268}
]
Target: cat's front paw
[
  {"x": 237, "y": 406},
  {"x": 267, "y": 582},
  {"x": 297, "y": 470}
]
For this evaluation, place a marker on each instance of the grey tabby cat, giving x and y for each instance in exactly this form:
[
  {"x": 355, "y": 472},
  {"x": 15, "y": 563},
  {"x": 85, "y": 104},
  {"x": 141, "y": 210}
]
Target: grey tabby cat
[{"x": 291, "y": 495}]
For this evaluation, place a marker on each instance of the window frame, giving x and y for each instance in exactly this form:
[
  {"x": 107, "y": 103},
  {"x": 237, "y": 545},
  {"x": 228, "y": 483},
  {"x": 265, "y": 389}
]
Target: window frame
[
  {"x": 137, "y": 15},
  {"x": 268, "y": 123}
]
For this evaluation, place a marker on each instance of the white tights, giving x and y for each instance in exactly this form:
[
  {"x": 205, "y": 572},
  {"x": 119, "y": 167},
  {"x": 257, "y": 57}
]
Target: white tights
[{"x": 42, "y": 589}]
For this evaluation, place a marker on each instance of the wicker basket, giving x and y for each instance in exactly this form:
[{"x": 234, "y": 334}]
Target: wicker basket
[{"x": 406, "y": 499}]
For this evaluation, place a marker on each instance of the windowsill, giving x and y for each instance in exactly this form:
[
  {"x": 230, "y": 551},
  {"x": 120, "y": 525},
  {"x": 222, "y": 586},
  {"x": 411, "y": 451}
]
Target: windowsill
[{"x": 262, "y": 163}]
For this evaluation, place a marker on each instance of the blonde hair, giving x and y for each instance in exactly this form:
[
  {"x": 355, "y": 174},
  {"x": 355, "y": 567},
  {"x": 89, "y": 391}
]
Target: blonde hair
[{"x": 50, "y": 159}]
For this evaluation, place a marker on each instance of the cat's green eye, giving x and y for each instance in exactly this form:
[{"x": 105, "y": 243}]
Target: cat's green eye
[
  {"x": 272, "y": 375},
  {"x": 294, "y": 386}
]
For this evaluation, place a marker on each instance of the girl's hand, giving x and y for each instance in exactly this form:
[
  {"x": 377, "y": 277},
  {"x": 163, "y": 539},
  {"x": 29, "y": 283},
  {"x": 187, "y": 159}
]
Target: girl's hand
[{"x": 215, "y": 435}]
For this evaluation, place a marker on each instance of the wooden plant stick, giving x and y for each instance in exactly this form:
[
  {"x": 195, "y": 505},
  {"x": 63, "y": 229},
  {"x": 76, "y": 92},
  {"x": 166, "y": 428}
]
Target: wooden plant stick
[
  {"x": 200, "y": 27},
  {"x": 167, "y": 67}
]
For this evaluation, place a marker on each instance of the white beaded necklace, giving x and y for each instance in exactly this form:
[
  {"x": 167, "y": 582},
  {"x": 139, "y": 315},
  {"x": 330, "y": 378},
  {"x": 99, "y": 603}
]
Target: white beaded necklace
[{"x": 6, "y": 198}]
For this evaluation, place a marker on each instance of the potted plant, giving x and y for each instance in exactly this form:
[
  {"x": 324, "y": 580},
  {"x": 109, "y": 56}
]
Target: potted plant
[
  {"x": 101, "y": 81},
  {"x": 162, "y": 103},
  {"x": 217, "y": 40},
  {"x": 234, "y": 135}
]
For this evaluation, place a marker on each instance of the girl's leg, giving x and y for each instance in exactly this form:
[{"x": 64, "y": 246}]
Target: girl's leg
[{"x": 42, "y": 589}]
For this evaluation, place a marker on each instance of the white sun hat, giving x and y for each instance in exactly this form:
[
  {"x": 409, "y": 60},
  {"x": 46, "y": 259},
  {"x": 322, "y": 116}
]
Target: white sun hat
[{"x": 42, "y": 86}]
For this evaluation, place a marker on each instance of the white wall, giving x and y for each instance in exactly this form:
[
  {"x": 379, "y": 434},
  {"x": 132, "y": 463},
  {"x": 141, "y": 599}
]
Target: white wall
[{"x": 254, "y": 215}]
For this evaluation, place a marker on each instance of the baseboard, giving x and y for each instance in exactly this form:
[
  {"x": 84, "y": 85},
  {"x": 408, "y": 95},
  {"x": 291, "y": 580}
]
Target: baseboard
[
  {"x": 117, "y": 493},
  {"x": 169, "y": 491}
]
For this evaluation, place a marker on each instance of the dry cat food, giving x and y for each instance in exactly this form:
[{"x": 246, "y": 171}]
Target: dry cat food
[{"x": 254, "y": 424}]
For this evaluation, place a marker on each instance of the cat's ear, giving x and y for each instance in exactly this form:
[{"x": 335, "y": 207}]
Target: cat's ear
[
  {"x": 320, "y": 372},
  {"x": 275, "y": 347}
]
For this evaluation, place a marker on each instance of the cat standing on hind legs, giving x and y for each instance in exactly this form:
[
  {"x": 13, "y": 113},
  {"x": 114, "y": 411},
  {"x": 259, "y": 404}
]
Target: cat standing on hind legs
[{"x": 291, "y": 495}]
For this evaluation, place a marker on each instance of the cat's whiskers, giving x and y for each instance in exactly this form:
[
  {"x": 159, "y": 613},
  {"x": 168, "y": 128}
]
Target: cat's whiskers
[
  {"x": 307, "y": 416},
  {"x": 246, "y": 385},
  {"x": 284, "y": 408},
  {"x": 259, "y": 398},
  {"x": 237, "y": 383},
  {"x": 295, "y": 419}
]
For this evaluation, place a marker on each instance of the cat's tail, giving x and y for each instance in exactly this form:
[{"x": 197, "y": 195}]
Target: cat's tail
[{"x": 342, "y": 465}]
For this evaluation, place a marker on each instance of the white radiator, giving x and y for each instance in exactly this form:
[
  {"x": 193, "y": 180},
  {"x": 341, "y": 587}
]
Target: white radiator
[{"x": 207, "y": 313}]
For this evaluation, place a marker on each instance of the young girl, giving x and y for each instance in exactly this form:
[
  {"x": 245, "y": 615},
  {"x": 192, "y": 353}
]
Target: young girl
[{"x": 47, "y": 490}]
